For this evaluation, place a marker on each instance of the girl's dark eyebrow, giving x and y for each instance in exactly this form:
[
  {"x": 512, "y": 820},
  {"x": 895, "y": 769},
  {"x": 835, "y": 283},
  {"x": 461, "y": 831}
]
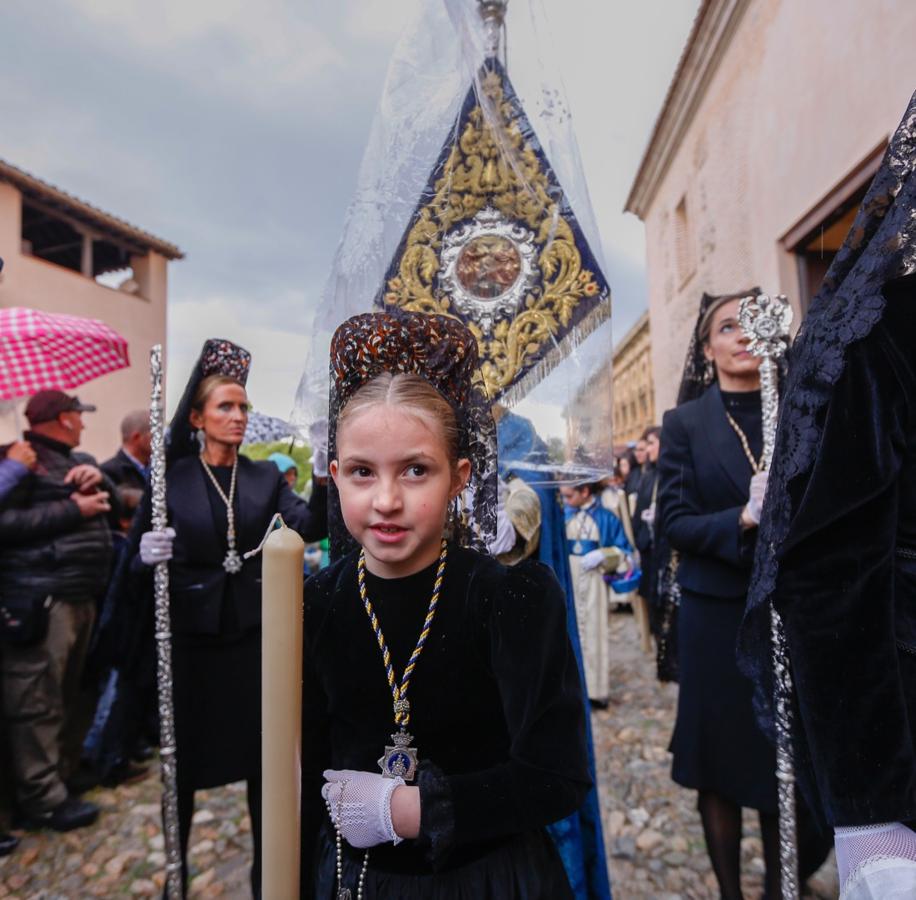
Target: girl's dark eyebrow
[{"x": 419, "y": 456}]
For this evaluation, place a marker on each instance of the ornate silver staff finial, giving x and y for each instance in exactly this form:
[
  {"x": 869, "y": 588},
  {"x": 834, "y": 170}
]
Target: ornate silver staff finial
[
  {"x": 174, "y": 883},
  {"x": 766, "y": 321},
  {"x": 493, "y": 13}
]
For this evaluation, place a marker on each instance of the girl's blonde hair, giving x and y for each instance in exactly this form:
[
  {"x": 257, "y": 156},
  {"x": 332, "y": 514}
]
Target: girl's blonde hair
[
  {"x": 208, "y": 386},
  {"x": 411, "y": 393}
]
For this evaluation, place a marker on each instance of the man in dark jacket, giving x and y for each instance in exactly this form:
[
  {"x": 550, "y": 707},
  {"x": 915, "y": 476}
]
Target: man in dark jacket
[
  {"x": 128, "y": 467},
  {"x": 55, "y": 552}
]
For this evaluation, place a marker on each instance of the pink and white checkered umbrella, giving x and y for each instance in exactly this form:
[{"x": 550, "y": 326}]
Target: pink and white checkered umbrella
[{"x": 40, "y": 350}]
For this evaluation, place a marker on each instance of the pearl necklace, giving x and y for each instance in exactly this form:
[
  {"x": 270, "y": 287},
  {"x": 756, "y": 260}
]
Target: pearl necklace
[
  {"x": 344, "y": 893},
  {"x": 232, "y": 562}
]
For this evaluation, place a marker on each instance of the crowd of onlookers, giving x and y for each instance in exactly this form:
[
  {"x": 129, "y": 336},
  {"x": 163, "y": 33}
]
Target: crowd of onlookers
[
  {"x": 64, "y": 523},
  {"x": 77, "y": 664}
]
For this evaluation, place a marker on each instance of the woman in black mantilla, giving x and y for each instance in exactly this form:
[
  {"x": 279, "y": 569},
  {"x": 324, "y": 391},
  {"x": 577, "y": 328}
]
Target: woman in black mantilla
[
  {"x": 709, "y": 500},
  {"x": 220, "y": 505},
  {"x": 495, "y": 704},
  {"x": 838, "y": 541}
]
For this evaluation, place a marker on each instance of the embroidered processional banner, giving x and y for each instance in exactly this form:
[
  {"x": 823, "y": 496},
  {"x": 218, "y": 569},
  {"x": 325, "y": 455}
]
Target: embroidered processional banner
[{"x": 495, "y": 243}]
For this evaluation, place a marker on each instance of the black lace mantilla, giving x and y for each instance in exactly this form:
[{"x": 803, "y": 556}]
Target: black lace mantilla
[
  {"x": 880, "y": 246},
  {"x": 444, "y": 352}
]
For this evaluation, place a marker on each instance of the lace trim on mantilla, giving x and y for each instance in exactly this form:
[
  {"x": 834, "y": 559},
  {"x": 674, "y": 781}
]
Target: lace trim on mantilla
[{"x": 880, "y": 247}]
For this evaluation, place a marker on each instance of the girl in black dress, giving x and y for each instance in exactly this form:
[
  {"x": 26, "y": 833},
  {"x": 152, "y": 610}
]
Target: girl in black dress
[
  {"x": 219, "y": 506},
  {"x": 709, "y": 501},
  {"x": 443, "y": 718}
]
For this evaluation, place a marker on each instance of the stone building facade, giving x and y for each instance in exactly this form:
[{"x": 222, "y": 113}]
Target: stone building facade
[
  {"x": 774, "y": 123},
  {"x": 589, "y": 416},
  {"x": 634, "y": 391},
  {"x": 63, "y": 255}
]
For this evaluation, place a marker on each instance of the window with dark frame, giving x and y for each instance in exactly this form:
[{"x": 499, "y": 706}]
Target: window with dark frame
[{"x": 815, "y": 239}]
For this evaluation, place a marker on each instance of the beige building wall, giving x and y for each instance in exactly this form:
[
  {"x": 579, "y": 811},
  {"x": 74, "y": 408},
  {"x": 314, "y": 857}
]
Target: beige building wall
[
  {"x": 140, "y": 318},
  {"x": 774, "y": 104},
  {"x": 634, "y": 391},
  {"x": 589, "y": 417}
]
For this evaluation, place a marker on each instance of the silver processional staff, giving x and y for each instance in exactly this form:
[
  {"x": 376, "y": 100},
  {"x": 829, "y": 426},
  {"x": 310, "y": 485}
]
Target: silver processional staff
[
  {"x": 174, "y": 883},
  {"x": 766, "y": 321}
]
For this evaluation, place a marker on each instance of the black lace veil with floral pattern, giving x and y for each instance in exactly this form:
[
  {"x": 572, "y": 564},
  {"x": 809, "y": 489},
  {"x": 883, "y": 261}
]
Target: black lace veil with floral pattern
[{"x": 880, "y": 247}]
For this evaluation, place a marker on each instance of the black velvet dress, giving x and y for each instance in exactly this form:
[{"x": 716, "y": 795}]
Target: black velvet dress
[
  {"x": 216, "y": 617},
  {"x": 497, "y": 716},
  {"x": 704, "y": 479},
  {"x": 218, "y": 682}
]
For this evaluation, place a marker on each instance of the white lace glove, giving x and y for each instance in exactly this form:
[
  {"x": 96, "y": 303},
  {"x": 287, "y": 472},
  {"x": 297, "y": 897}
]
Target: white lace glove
[
  {"x": 359, "y": 804},
  {"x": 156, "y": 546},
  {"x": 593, "y": 559},
  {"x": 755, "y": 502},
  {"x": 876, "y": 862},
  {"x": 318, "y": 437}
]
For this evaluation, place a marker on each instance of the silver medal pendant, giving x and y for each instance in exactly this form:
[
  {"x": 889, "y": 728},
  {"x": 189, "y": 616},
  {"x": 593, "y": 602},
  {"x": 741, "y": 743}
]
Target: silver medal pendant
[
  {"x": 233, "y": 562},
  {"x": 399, "y": 760}
]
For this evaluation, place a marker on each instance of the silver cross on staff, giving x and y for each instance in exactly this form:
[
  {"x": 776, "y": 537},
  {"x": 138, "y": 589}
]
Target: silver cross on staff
[{"x": 766, "y": 321}]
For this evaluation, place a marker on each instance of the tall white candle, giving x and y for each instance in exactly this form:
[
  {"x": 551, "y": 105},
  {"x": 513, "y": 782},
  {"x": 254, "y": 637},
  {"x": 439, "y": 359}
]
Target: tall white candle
[{"x": 281, "y": 713}]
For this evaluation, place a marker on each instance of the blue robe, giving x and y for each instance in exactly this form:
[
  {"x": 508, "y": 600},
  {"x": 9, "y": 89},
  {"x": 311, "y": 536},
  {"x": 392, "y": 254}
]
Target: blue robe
[{"x": 579, "y": 837}]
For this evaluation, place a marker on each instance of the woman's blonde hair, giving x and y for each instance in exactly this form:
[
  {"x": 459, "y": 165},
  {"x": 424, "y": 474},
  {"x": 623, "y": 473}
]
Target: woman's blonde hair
[
  {"x": 208, "y": 386},
  {"x": 414, "y": 395}
]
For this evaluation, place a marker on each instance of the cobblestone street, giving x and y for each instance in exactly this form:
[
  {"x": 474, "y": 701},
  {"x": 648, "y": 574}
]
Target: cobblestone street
[{"x": 652, "y": 830}]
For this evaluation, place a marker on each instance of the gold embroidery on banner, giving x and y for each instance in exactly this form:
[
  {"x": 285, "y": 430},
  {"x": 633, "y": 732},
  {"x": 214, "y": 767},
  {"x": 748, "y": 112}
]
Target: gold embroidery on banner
[{"x": 496, "y": 167}]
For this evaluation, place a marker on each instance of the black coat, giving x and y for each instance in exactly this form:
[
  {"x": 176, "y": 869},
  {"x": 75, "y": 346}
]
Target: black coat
[
  {"x": 197, "y": 579},
  {"x": 216, "y": 617},
  {"x": 704, "y": 479},
  {"x": 123, "y": 472},
  {"x": 46, "y": 546},
  {"x": 846, "y": 587}
]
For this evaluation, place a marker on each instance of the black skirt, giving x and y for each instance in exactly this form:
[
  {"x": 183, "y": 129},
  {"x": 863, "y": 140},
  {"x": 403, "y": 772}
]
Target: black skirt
[
  {"x": 524, "y": 867},
  {"x": 717, "y": 745},
  {"x": 217, "y": 691}
]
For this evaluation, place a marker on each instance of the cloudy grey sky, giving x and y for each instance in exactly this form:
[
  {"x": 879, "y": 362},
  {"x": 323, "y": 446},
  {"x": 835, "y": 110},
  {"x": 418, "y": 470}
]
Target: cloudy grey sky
[{"x": 236, "y": 130}]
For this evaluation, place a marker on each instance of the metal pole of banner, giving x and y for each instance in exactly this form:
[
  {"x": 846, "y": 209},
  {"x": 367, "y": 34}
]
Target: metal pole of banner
[
  {"x": 766, "y": 321},
  {"x": 174, "y": 883}
]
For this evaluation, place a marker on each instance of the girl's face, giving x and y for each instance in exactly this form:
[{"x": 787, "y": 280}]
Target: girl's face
[
  {"x": 727, "y": 344},
  {"x": 224, "y": 417},
  {"x": 395, "y": 483}
]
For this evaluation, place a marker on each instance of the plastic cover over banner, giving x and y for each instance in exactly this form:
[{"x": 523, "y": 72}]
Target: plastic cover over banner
[{"x": 471, "y": 201}]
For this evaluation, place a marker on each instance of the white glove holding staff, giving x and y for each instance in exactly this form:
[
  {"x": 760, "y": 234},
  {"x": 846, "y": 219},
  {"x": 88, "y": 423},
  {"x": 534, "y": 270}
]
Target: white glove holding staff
[
  {"x": 156, "y": 546},
  {"x": 758, "y": 490}
]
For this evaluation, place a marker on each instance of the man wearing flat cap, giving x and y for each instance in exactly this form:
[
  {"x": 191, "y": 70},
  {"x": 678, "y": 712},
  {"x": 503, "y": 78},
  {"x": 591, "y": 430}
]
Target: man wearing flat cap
[{"x": 55, "y": 553}]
